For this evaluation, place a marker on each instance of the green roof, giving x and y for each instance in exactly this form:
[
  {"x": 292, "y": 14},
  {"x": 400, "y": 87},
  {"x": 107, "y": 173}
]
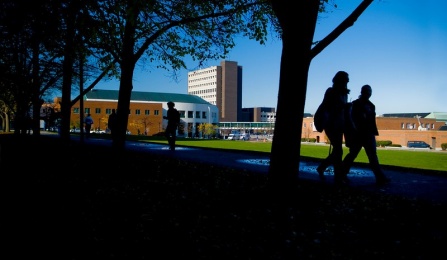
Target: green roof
[{"x": 146, "y": 96}]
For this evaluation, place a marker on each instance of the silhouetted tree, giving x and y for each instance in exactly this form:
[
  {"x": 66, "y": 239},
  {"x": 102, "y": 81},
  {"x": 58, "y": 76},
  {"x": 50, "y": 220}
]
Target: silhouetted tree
[{"x": 297, "y": 52}]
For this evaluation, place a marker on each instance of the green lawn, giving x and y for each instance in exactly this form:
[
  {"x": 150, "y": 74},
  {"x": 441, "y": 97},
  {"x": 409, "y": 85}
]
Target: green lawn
[{"x": 408, "y": 158}]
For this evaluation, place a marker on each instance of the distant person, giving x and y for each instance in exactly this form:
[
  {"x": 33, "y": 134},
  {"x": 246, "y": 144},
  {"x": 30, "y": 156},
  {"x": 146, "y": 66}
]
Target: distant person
[
  {"x": 88, "y": 125},
  {"x": 336, "y": 101},
  {"x": 364, "y": 117},
  {"x": 173, "y": 118},
  {"x": 111, "y": 123}
]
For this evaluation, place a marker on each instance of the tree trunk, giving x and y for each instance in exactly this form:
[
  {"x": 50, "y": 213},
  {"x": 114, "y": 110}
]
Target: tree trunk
[
  {"x": 125, "y": 92},
  {"x": 67, "y": 67},
  {"x": 295, "y": 63}
]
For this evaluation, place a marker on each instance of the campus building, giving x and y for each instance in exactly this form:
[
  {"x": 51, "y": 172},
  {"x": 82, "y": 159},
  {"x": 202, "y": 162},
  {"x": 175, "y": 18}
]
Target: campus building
[
  {"x": 397, "y": 128},
  {"x": 146, "y": 111},
  {"x": 220, "y": 86}
]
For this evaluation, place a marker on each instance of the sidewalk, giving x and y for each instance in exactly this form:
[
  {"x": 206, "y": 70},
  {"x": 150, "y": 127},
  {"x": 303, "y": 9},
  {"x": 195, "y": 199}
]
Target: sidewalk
[{"x": 410, "y": 183}]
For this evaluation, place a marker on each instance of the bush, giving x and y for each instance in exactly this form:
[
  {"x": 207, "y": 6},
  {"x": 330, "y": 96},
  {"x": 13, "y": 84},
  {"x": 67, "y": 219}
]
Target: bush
[
  {"x": 444, "y": 146},
  {"x": 384, "y": 143},
  {"x": 310, "y": 140}
]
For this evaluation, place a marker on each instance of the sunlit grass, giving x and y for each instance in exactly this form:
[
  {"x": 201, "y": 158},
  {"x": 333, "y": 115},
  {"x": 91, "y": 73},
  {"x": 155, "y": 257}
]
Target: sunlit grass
[{"x": 418, "y": 159}]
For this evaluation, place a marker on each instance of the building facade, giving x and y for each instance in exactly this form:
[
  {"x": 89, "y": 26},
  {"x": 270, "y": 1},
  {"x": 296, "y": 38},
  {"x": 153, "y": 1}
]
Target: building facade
[
  {"x": 220, "y": 86},
  {"x": 259, "y": 114},
  {"x": 398, "y": 130},
  {"x": 146, "y": 111}
]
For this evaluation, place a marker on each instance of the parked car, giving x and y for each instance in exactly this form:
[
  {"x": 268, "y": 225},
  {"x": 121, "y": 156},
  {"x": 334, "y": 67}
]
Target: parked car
[
  {"x": 75, "y": 130},
  {"x": 244, "y": 137},
  {"x": 237, "y": 135},
  {"x": 417, "y": 144},
  {"x": 98, "y": 131}
]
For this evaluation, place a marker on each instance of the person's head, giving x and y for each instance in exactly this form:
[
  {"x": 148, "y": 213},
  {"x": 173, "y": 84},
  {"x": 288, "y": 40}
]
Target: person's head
[
  {"x": 340, "y": 80},
  {"x": 366, "y": 91},
  {"x": 171, "y": 104}
]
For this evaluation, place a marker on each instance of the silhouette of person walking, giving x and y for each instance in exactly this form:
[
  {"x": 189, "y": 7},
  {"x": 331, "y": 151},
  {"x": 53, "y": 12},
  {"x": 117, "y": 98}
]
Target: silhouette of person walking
[
  {"x": 336, "y": 101},
  {"x": 88, "y": 125},
  {"x": 171, "y": 129},
  {"x": 364, "y": 118},
  {"x": 111, "y": 123}
]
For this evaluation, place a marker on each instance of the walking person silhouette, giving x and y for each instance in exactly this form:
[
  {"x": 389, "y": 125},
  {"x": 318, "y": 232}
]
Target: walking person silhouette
[
  {"x": 88, "y": 125},
  {"x": 173, "y": 118},
  {"x": 111, "y": 123},
  {"x": 364, "y": 118},
  {"x": 336, "y": 101}
]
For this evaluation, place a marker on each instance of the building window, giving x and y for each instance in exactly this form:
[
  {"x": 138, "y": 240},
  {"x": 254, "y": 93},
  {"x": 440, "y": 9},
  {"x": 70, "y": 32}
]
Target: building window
[
  {"x": 197, "y": 114},
  {"x": 87, "y": 110},
  {"x": 137, "y": 112},
  {"x": 182, "y": 113},
  {"x": 147, "y": 112},
  {"x": 108, "y": 111},
  {"x": 203, "y": 114},
  {"x": 76, "y": 110},
  {"x": 190, "y": 114},
  {"x": 97, "y": 110},
  {"x": 403, "y": 125},
  {"x": 156, "y": 112}
]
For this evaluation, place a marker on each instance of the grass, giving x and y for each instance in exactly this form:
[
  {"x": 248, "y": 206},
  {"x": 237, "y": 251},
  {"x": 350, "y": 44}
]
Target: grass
[
  {"x": 428, "y": 160},
  {"x": 414, "y": 159}
]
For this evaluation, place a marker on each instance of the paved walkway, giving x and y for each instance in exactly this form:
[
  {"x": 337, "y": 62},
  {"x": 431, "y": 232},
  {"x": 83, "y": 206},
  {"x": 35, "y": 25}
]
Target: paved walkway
[{"x": 412, "y": 184}]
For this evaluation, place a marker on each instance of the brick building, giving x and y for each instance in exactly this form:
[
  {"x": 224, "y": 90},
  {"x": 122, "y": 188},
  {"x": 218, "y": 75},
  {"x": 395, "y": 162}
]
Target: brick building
[
  {"x": 398, "y": 130},
  {"x": 146, "y": 111}
]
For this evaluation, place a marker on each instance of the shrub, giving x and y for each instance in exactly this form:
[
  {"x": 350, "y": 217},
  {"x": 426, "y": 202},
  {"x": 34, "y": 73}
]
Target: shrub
[
  {"x": 310, "y": 140},
  {"x": 384, "y": 143},
  {"x": 444, "y": 146}
]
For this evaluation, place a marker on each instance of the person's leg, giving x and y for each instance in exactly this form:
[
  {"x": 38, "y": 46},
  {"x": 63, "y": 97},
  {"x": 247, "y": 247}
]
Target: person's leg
[
  {"x": 173, "y": 137},
  {"x": 323, "y": 166},
  {"x": 371, "y": 152},
  {"x": 170, "y": 135},
  {"x": 350, "y": 157},
  {"x": 167, "y": 135},
  {"x": 327, "y": 161},
  {"x": 337, "y": 156}
]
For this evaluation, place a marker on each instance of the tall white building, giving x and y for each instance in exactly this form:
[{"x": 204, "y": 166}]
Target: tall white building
[{"x": 220, "y": 86}]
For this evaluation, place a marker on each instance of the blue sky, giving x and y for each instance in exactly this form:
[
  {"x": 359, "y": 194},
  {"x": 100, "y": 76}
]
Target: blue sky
[{"x": 399, "y": 47}]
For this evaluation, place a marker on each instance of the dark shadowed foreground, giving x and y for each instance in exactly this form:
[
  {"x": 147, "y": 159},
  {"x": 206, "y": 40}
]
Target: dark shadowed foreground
[{"x": 86, "y": 202}]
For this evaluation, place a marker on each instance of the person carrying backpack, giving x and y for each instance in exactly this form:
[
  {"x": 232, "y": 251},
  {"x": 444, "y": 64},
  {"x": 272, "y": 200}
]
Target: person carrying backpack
[
  {"x": 336, "y": 102},
  {"x": 173, "y": 117}
]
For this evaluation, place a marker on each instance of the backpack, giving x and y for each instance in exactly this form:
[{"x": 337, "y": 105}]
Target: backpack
[{"x": 321, "y": 117}]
